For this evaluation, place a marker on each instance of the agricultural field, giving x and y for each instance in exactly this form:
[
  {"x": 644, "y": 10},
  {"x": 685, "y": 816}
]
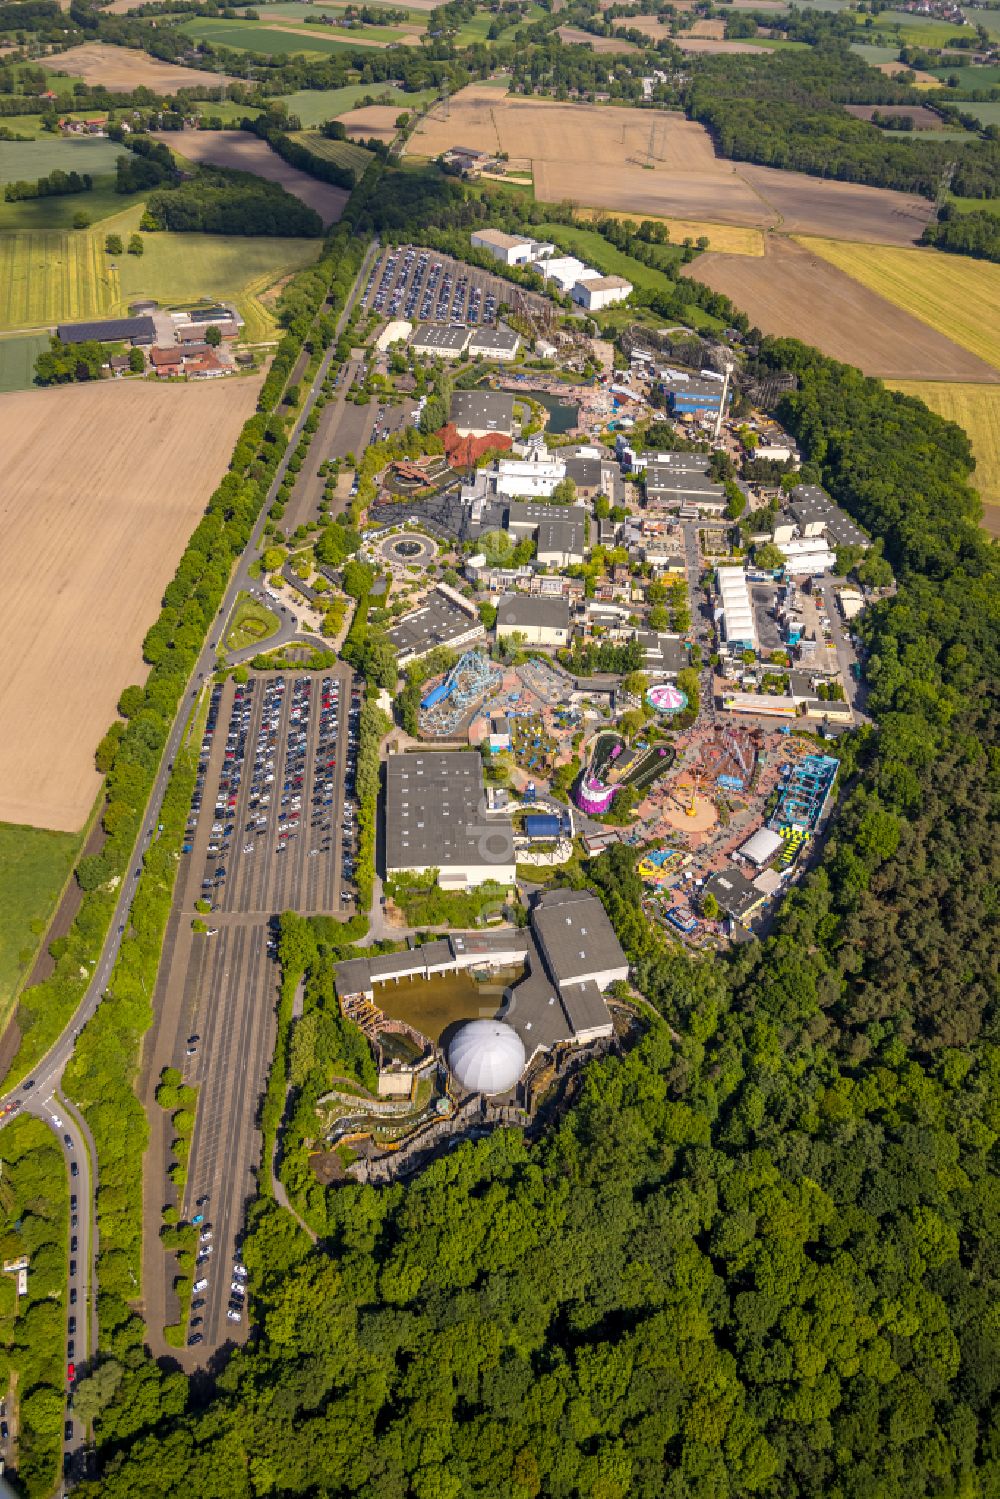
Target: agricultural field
[
  {"x": 922, "y": 117},
  {"x": 25, "y": 161},
  {"x": 342, "y": 153},
  {"x": 573, "y": 36},
  {"x": 286, "y": 36},
  {"x": 704, "y": 45},
  {"x": 314, "y": 106},
  {"x": 34, "y": 865},
  {"x": 793, "y": 292},
  {"x": 57, "y": 276},
  {"x": 17, "y": 360},
  {"x": 103, "y": 485},
  {"x": 659, "y": 165},
  {"x": 953, "y": 294},
  {"x": 372, "y": 122},
  {"x": 102, "y": 202},
  {"x": 122, "y": 69},
  {"x": 986, "y": 114},
  {"x": 728, "y": 239},
  {"x": 976, "y": 408},
  {"x": 245, "y": 153}
]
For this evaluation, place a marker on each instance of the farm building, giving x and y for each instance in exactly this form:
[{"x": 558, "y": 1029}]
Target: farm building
[
  {"x": 542, "y": 621},
  {"x": 493, "y": 343},
  {"x": 482, "y": 413},
  {"x": 445, "y": 618},
  {"x": 436, "y": 817},
  {"x": 439, "y": 341},
  {"x": 136, "y": 330},
  {"x": 601, "y": 291}
]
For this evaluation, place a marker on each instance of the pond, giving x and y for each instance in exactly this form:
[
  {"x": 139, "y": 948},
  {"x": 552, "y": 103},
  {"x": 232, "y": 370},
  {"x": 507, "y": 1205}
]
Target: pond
[
  {"x": 432, "y": 1005},
  {"x": 562, "y": 416}
]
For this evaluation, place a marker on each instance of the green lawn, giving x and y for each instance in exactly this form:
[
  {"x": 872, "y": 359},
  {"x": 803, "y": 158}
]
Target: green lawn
[
  {"x": 17, "y": 360},
  {"x": 29, "y": 160},
  {"x": 987, "y": 76},
  {"x": 225, "y": 110},
  {"x": 57, "y": 213},
  {"x": 295, "y": 11},
  {"x": 34, "y": 865},
  {"x": 250, "y": 624},
  {"x": 875, "y": 54},
  {"x": 595, "y": 250},
  {"x": 986, "y": 114}
]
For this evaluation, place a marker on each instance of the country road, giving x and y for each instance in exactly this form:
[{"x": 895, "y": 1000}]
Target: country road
[{"x": 38, "y": 1092}]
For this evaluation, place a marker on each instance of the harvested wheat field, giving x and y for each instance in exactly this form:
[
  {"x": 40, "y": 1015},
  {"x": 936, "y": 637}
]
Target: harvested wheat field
[
  {"x": 650, "y": 26},
  {"x": 977, "y": 409},
  {"x": 793, "y": 293},
  {"x": 573, "y": 36},
  {"x": 658, "y": 165},
  {"x": 103, "y": 485},
  {"x": 715, "y": 30},
  {"x": 954, "y": 294},
  {"x": 122, "y": 69},
  {"x": 920, "y": 78},
  {"x": 245, "y": 153},
  {"x": 372, "y": 121}
]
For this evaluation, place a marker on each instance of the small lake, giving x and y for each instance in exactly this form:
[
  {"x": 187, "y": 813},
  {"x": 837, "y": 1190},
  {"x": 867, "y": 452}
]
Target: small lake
[
  {"x": 562, "y": 416},
  {"x": 432, "y": 1005}
]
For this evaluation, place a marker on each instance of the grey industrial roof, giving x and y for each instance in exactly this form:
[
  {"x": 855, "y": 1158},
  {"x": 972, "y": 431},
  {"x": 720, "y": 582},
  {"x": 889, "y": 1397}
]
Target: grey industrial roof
[
  {"x": 679, "y": 463},
  {"x": 108, "y": 330},
  {"x": 585, "y": 471},
  {"x": 495, "y": 338},
  {"x": 693, "y": 387},
  {"x": 561, "y": 536},
  {"x": 430, "y": 336},
  {"x": 810, "y": 503},
  {"x": 353, "y": 976},
  {"x": 674, "y": 481},
  {"x": 484, "y": 410},
  {"x": 438, "y": 621},
  {"x": 435, "y": 814},
  {"x": 522, "y": 610},
  {"x": 576, "y": 937},
  {"x": 586, "y": 1007},
  {"x": 734, "y": 892},
  {"x": 529, "y": 514},
  {"x": 666, "y": 653}
]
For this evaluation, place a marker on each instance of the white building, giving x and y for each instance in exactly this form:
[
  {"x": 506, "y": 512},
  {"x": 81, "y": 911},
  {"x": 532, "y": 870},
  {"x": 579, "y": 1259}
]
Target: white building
[
  {"x": 808, "y": 554},
  {"x": 510, "y": 248},
  {"x": 566, "y": 271},
  {"x": 736, "y": 608},
  {"x": 529, "y": 478},
  {"x": 394, "y": 333},
  {"x": 440, "y": 340},
  {"x": 601, "y": 291},
  {"x": 493, "y": 343}
]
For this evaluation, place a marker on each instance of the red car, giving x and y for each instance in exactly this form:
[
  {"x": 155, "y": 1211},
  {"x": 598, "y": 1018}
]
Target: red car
[{"x": 71, "y": 1373}]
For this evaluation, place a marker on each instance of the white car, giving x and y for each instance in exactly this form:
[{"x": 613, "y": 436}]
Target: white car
[
  {"x": 200, "y": 1285},
  {"x": 234, "y": 1316}
]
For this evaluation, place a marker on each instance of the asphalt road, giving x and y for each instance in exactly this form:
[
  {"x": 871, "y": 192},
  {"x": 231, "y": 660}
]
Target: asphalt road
[{"x": 43, "y": 1081}]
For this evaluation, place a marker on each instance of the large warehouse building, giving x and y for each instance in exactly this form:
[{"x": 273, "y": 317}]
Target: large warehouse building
[
  {"x": 436, "y": 817},
  {"x": 736, "y": 609}
]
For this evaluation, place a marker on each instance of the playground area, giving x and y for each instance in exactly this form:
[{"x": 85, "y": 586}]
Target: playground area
[{"x": 531, "y": 697}]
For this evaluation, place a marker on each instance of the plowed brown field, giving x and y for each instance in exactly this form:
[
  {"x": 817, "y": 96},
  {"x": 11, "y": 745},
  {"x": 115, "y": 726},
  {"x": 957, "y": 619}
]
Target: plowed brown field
[
  {"x": 103, "y": 485},
  {"x": 790, "y": 291}
]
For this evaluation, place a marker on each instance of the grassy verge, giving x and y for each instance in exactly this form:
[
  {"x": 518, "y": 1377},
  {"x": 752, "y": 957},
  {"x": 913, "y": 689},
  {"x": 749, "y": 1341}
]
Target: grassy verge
[
  {"x": 250, "y": 624},
  {"x": 34, "y": 867},
  {"x": 34, "y": 1205}
]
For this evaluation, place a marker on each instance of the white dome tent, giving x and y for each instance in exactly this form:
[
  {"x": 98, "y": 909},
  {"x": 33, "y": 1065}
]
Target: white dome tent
[{"x": 486, "y": 1056}]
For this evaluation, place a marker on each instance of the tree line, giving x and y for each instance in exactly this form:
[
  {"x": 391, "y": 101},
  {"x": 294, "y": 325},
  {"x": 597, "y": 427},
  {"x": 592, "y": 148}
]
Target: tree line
[{"x": 56, "y": 185}]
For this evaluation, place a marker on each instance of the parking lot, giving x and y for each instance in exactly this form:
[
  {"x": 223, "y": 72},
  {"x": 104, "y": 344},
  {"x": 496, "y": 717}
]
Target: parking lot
[
  {"x": 273, "y": 819},
  {"x": 421, "y": 284}
]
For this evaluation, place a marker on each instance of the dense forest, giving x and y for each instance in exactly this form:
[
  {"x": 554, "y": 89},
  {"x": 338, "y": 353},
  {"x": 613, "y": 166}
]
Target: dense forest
[
  {"x": 220, "y": 201},
  {"x": 785, "y": 111},
  {"x": 976, "y": 234},
  {"x": 759, "y": 1253}
]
